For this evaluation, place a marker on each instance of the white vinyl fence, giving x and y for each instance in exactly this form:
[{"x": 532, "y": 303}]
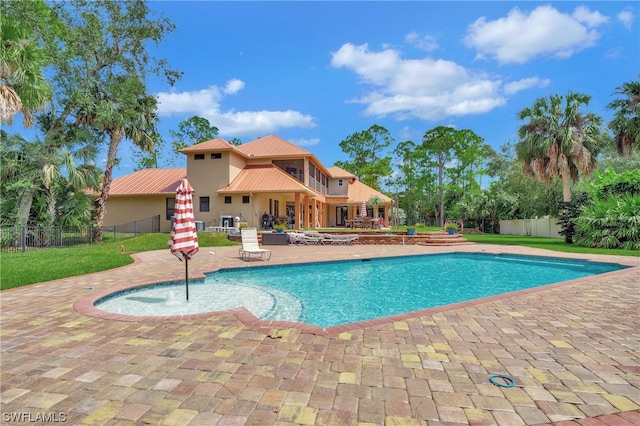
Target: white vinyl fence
[{"x": 543, "y": 227}]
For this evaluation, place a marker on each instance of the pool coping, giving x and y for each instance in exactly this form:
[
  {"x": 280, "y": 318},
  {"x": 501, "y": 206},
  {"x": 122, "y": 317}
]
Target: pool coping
[{"x": 86, "y": 304}]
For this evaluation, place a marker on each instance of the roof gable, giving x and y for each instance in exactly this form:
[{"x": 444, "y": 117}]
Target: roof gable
[
  {"x": 272, "y": 146},
  {"x": 359, "y": 191},
  {"x": 217, "y": 144},
  {"x": 338, "y": 172}
]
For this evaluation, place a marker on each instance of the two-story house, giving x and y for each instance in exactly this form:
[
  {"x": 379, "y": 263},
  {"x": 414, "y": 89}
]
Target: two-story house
[{"x": 265, "y": 178}]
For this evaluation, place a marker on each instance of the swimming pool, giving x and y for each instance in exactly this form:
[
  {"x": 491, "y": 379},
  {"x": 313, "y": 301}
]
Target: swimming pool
[{"x": 328, "y": 294}]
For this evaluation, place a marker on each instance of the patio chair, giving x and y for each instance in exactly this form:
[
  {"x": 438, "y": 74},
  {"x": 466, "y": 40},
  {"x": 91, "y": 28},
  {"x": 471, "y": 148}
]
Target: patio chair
[
  {"x": 356, "y": 222},
  {"x": 250, "y": 245},
  {"x": 340, "y": 239},
  {"x": 302, "y": 239},
  {"x": 317, "y": 236}
]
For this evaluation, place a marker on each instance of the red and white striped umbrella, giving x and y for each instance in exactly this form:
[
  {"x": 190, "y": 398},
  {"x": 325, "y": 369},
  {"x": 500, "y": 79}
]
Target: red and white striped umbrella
[
  {"x": 184, "y": 238},
  {"x": 363, "y": 209}
]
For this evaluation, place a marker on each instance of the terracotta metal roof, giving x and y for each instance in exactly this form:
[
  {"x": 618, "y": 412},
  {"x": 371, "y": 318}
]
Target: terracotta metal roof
[
  {"x": 148, "y": 181},
  {"x": 217, "y": 144},
  {"x": 272, "y": 146},
  {"x": 264, "y": 178},
  {"x": 359, "y": 192},
  {"x": 338, "y": 172}
]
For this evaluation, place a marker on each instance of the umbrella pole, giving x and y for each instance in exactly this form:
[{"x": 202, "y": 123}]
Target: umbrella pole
[{"x": 186, "y": 274}]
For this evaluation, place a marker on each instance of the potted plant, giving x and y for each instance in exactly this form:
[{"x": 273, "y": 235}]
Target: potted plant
[
  {"x": 411, "y": 230},
  {"x": 279, "y": 228},
  {"x": 451, "y": 228}
]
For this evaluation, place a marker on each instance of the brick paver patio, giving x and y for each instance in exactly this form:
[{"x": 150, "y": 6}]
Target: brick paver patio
[{"x": 572, "y": 349}]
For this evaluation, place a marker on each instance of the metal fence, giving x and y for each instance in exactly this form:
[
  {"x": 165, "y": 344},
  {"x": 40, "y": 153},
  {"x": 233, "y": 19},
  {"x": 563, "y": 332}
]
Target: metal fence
[
  {"x": 23, "y": 238},
  {"x": 143, "y": 226}
]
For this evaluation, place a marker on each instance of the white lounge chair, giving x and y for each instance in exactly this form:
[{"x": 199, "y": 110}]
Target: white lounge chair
[
  {"x": 339, "y": 239},
  {"x": 250, "y": 245},
  {"x": 302, "y": 239}
]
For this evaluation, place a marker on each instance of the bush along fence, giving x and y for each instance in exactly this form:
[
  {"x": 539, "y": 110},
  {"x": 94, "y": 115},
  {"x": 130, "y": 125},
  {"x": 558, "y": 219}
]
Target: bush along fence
[{"x": 23, "y": 238}]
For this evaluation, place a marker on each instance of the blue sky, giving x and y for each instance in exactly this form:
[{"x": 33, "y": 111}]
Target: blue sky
[{"x": 316, "y": 72}]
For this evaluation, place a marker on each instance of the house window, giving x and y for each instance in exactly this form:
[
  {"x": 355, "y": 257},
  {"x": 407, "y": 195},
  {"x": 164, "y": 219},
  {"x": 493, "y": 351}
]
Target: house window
[
  {"x": 312, "y": 174},
  {"x": 227, "y": 199},
  {"x": 170, "y": 208},
  {"x": 198, "y": 156},
  {"x": 216, "y": 155},
  {"x": 245, "y": 199},
  {"x": 204, "y": 204},
  {"x": 339, "y": 182}
]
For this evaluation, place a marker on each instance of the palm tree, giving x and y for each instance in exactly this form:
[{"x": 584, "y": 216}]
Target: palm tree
[
  {"x": 23, "y": 87},
  {"x": 30, "y": 168},
  {"x": 626, "y": 123},
  {"x": 559, "y": 141},
  {"x": 131, "y": 114}
]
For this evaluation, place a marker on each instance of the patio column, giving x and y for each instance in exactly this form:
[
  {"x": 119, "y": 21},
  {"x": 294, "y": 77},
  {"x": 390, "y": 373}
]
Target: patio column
[
  {"x": 386, "y": 214},
  {"x": 298, "y": 213},
  {"x": 314, "y": 213}
]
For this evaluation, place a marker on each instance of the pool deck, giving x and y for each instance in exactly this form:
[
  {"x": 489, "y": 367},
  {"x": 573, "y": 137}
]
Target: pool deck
[{"x": 573, "y": 350}]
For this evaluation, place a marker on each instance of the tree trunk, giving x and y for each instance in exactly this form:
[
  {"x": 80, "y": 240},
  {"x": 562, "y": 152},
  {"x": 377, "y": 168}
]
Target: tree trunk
[
  {"x": 24, "y": 208},
  {"x": 51, "y": 204},
  {"x": 441, "y": 189},
  {"x": 566, "y": 197},
  {"x": 566, "y": 187},
  {"x": 101, "y": 209}
]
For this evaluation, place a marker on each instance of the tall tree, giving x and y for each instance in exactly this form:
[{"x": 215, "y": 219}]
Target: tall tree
[
  {"x": 416, "y": 178},
  {"x": 30, "y": 168},
  {"x": 626, "y": 123},
  {"x": 136, "y": 121},
  {"x": 366, "y": 150},
  {"x": 558, "y": 140},
  {"x": 101, "y": 62},
  {"x": 451, "y": 152},
  {"x": 191, "y": 131},
  {"x": 532, "y": 197},
  {"x": 23, "y": 86}
]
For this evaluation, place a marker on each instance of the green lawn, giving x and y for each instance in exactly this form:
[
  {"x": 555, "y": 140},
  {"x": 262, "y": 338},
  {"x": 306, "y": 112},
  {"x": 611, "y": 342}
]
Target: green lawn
[
  {"x": 556, "y": 244},
  {"x": 34, "y": 266}
]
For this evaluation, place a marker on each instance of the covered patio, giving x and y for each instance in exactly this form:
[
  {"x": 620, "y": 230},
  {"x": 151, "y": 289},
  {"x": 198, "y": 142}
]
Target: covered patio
[{"x": 275, "y": 197}]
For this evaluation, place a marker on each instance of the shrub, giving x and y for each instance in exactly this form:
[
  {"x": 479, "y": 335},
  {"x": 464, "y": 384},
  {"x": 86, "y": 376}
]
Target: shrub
[
  {"x": 612, "y": 218},
  {"x": 610, "y": 223}
]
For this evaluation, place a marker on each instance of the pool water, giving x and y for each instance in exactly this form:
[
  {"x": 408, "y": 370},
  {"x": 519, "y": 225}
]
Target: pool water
[{"x": 333, "y": 293}]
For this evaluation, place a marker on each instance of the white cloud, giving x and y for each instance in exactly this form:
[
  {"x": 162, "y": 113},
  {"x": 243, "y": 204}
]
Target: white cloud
[
  {"x": 428, "y": 89},
  {"x": 423, "y": 42},
  {"x": 525, "y": 83},
  {"x": 586, "y": 16},
  {"x": 305, "y": 142},
  {"x": 182, "y": 102},
  {"x": 521, "y": 37},
  {"x": 206, "y": 103},
  {"x": 233, "y": 86},
  {"x": 626, "y": 18}
]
